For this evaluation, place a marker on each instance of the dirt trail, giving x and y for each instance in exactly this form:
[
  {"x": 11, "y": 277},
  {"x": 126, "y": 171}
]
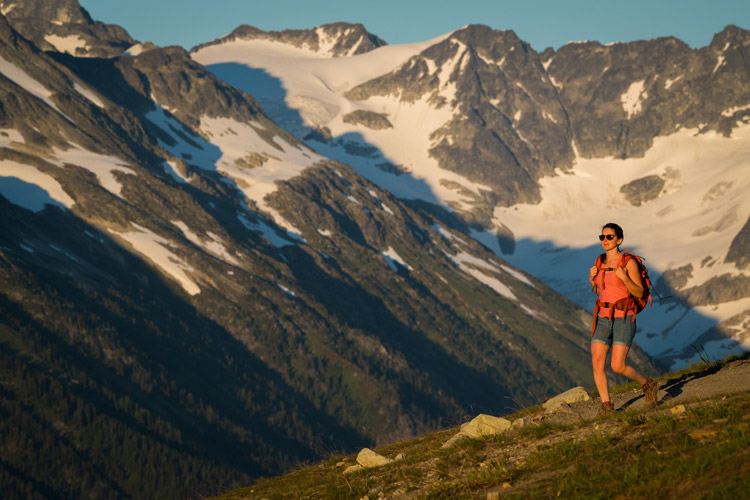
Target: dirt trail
[
  {"x": 733, "y": 378},
  {"x": 730, "y": 379}
]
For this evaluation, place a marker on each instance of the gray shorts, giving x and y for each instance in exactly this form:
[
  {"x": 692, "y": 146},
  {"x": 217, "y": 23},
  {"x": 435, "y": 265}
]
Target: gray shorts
[{"x": 617, "y": 331}]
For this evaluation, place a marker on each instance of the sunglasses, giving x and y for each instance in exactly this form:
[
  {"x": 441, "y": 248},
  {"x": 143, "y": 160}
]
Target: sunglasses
[{"x": 608, "y": 236}]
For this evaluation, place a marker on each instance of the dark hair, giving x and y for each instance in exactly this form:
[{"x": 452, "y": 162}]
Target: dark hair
[{"x": 614, "y": 227}]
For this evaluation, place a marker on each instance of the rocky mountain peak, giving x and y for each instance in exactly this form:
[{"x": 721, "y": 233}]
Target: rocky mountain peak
[
  {"x": 65, "y": 26},
  {"x": 508, "y": 128},
  {"x": 730, "y": 36},
  {"x": 57, "y": 11},
  {"x": 495, "y": 42},
  {"x": 170, "y": 77},
  {"x": 331, "y": 40}
]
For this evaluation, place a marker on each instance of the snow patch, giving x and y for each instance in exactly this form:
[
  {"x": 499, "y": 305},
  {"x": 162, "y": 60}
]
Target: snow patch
[
  {"x": 549, "y": 117},
  {"x": 273, "y": 236},
  {"x": 88, "y": 94},
  {"x": 170, "y": 166},
  {"x": 9, "y": 135},
  {"x": 671, "y": 81},
  {"x": 212, "y": 243},
  {"x": 157, "y": 250},
  {"x": 5, "y": 9},
  {"x": 234, "y": 140},
  {"x": 67, "y": 44},
  {"x": 731, "y": 111},
  {"x": 477, "y": 268},
  {"x": 721, "y": 59},
  {"x": 288, "y": 291},
  {"x": 632, "y": 99},
  {"x": 392, "y": 257},
  {"x": 27, "y": 187},
  {"x": 102, "y": 166},
  {"x": 134, "y": 50},
  {"x": 444, "y": 78}
]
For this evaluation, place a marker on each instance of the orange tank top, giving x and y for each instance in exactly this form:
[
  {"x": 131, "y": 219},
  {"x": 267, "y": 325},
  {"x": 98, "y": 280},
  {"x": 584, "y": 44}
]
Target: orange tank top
[{"x": 613, "y": 290}]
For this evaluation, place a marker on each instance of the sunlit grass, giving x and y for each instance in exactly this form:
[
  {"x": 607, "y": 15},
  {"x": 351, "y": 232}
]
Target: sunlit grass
[{"x": 638, "y": 453}]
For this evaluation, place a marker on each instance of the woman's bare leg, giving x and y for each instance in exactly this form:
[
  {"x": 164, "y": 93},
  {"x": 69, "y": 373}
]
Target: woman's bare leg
[
  {"x": 619, "y": 353},
  {"x": 598, "y": 359}
]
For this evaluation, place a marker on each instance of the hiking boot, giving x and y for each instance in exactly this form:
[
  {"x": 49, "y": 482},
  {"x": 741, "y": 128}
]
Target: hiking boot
[
  {"x": 650, "y": 389},
  {"x": 606, "y": 409}
]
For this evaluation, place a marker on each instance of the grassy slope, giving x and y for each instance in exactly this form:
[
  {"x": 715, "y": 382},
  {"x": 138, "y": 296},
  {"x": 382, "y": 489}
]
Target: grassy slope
[{"x": 701, "y": 453}]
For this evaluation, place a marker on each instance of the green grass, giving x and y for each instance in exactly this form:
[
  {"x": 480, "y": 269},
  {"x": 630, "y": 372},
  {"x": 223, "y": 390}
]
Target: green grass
[
  {"x": 633, "y": 454},
  {"x": 662, "y": 457}
]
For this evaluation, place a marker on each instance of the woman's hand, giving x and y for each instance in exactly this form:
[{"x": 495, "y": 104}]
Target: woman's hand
[
  {"x": 592, "y": 273},
  {"x": 621, "y": 273}
]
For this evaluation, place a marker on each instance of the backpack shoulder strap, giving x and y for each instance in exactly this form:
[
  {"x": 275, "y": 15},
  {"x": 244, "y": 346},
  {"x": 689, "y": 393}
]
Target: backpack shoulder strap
[
  {"x": 599, "y": 260},
  {"x": 627, "y": 255}
]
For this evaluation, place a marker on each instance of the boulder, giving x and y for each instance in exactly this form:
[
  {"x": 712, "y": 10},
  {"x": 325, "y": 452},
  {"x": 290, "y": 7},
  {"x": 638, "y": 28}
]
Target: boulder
[
  {"x": 522, "y": 422},
  {"x": 485, "y": 425},
  {"x": 368, "y": 458},
  {"x": 353, "y": 468},
  {"x": 457, "y": 439},
  {"x": 561, "y": 401}
]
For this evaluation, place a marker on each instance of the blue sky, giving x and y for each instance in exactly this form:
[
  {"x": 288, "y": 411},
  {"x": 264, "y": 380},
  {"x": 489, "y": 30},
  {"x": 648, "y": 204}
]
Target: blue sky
[{"x": 542, "y": 23}]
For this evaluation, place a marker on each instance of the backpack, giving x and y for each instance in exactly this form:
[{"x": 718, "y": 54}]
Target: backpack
[{"x": 629, "y": 304}]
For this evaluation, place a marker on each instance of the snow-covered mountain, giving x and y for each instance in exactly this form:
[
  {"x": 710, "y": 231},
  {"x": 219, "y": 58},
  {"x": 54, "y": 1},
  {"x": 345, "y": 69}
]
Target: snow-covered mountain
[
  {"x": 185, "y": 283},
  {"x": 535, "y": 152}
]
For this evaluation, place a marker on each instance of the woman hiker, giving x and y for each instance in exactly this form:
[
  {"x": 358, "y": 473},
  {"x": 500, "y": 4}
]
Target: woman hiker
[{"x": 613, "y": 282}]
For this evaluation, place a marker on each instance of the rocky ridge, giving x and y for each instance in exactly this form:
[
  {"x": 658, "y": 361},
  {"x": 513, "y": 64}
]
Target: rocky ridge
[
  {"x": 327, "y": 40},
  {"x": 621, "y": 96},
  {"x": 65, "y": 26},
  {"x": 497, "y": 91}
]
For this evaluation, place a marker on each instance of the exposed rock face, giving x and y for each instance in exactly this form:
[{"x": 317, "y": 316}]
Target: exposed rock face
[
  {"x": 65, "y": 26},
  {"x": 375, "y": 121},
  {"x": 739, "y": 250},
  {"x": 643, "y": 190},
  {"x": 717, "y": 290},
  {"x": 673, "y": 279},
  {"x": 619, "y": 97},
  {"x": 509, "y": 128},
  {"x": 333, "y": 40}
]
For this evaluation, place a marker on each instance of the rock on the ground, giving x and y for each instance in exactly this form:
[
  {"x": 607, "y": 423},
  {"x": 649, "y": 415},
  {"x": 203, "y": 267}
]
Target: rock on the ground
[
  {"x": 458, "y": 438},
  {"x": 522, "y": 422},
  {"x": 353, "y": 468},
  {"x": 574, "y": 395},
  {"x": 368, "y": 458},
  {"x": 677, "y": 410},
  {"x": 485, "y": 425}
]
